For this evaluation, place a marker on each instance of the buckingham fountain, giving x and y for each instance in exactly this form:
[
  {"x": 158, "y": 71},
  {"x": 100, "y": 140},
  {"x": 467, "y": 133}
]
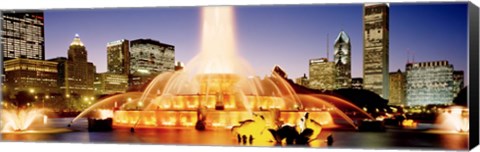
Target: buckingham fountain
[{"x": 217, "y": 90}]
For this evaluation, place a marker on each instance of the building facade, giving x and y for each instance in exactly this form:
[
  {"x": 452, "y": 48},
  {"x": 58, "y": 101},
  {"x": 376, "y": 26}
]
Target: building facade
[
  {"x": 429, "y": 83},
  {"x": 342, "y": 58},
  {"x": 148, "y": 58},
  {"x": 357, "y": 83},
  {"x": 152, "y": 56},
  {"x": 322, "y": 74},
  {"x": 110, "y": 83},
  {"x": 303, "y": 81},
  {"x": 458, "y": 85},
  {"x": 375, "y": 48},
  {"x": 76, "y": 74},
  {"x": 118, "y": 57},
  {"x": 34, "y": 76},
  {"x": 23, "y": 35},
  {"x": 397, "y": 88}
]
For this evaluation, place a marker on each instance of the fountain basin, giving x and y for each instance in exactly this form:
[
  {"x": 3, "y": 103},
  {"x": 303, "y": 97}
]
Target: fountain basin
[
  {"x": 371, "y": 125},
  {"x": 98, "y": 125},
  {"x": 214, "y": 119}
]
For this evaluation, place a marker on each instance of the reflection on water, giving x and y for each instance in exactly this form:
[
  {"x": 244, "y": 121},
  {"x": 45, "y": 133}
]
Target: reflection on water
[{"x": 399, "y": 139}]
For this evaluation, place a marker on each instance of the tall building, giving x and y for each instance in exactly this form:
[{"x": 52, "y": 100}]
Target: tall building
[
  {"x": 139, "y": 80},
  {"x": 152, "y": 56},
  {"x": 118, "y": 57},
  {"x": 23, "y": 35},
  {"x": 148, "y": 58},
  {"x": 458, "y": 84},
  {"x": 357, "y": 83},
  {"x": 322, "y": 74},
  {"x": 375, "y": 48},
  {"x": 303, "y": 81},
  {"x": 397, "y": 88},
  {"x": 34, "y": 76},
  {"x": 429, "y": 83},
  {"x": 342, "y": 58},
  {"x": 110, "y": 83},
  {"x": 76, "y": 74}
]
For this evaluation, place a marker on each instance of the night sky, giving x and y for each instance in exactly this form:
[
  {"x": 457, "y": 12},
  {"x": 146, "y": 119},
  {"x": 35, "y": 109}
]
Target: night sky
[{"x": 285, "y": 35}]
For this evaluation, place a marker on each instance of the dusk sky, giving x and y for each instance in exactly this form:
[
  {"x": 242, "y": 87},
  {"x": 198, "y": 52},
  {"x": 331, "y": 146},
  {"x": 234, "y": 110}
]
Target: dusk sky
[{"x": 270, "y": 35}]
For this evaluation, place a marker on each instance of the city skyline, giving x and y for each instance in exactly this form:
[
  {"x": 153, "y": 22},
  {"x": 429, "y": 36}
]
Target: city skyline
[{"x": 279, "y": 35}]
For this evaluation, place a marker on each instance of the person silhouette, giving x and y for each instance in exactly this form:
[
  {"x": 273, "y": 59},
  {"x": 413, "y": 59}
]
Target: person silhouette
[
  {"x": 239, "y": 138},
  {"x": 244, "y": 139},
  {"x": 330, "y": 140}
]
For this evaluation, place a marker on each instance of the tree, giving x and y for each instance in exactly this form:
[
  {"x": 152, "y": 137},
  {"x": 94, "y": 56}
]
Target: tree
[
  {"x": 462, "y": 97},
  {"x": 22, "y": 98}
]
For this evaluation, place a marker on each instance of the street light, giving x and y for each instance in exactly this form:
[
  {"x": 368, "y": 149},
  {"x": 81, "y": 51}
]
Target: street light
[{"x": 43, "y": 100}]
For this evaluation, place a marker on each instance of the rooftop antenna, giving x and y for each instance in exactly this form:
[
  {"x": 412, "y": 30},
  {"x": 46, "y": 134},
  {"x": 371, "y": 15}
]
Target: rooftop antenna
[
  {"x": 327, "y": 49},
  {"x": 413, "y": 57},
  {"x": 408, "y": 55}
]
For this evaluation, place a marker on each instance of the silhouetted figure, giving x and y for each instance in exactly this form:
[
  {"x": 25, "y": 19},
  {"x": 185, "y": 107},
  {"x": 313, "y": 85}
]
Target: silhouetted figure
[
  {"x": 304, "y": 137},
  {"x": 250, "y": 139},
  {"x": 239, "y": 138},
  {"x": 330, "y": 140},
  {"x": 244, "y": 139},
  {"x": 286, "y": 131}
]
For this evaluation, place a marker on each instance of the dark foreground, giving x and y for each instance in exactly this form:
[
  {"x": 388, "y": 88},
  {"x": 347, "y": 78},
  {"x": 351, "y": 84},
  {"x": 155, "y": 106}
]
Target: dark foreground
[{"x": 391, "y": 139}]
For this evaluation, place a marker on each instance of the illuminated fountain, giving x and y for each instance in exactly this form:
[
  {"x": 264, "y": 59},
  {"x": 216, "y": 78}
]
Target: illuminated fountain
[
  {"x": 29, "y": 120},
  {"x": 19, "y": 120},
  {"x": 217, "y": 89},
  {"x": 454, "y": 118}
]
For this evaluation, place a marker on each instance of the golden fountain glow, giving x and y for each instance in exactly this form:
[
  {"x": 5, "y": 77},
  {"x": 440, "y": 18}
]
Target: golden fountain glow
[
  {"x": 454, "y": 119},
  {"x": 19, "y": 120},
  {"x": 219, "y": 87}
]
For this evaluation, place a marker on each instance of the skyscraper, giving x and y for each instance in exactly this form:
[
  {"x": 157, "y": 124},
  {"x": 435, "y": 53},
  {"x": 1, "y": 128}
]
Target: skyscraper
[
  {"x": 322, "y": 74},
  {"x": 342, "y": 58},
  {"x": 397, "y": 88},
  {"x": 23, "y": 35},
  {"x": 151, "y": 56},
  {"x": 429, "y": 83},
  {"x": 375, "y": 48},
  {"x": 118, "y": 57},
  {"x": 76, "y": 74},
  {"x": 148, "y": 58}
]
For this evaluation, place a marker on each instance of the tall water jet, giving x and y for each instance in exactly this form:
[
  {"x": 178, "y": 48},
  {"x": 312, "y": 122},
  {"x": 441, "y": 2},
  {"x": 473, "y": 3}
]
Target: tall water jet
[{"x": 19, "y": 119}]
